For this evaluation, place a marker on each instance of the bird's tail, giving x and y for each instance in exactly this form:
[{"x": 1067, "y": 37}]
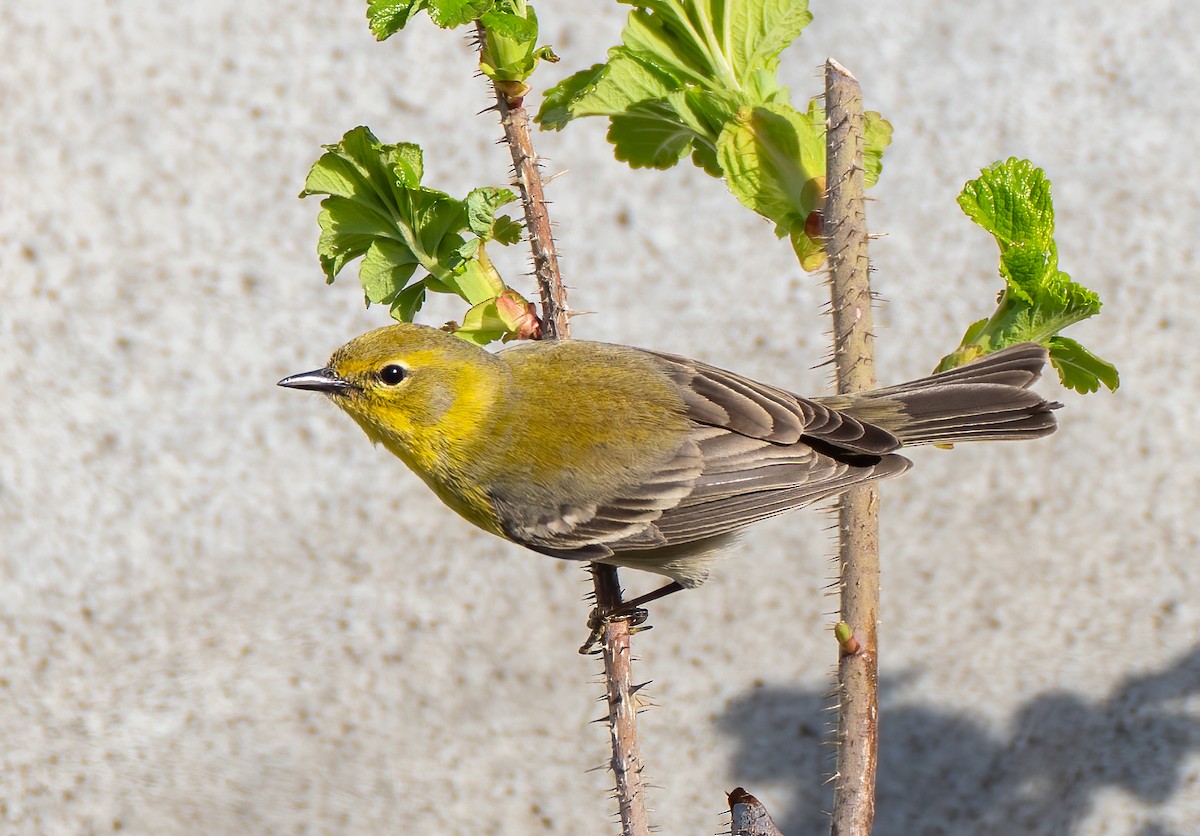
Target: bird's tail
[{"x": 986, "y": 400}]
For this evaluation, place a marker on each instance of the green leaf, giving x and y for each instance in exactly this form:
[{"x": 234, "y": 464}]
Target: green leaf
[
  {"x": 506, "y": 316},
  {"x": 408, "y": 162},
  {"x": 475, "y": 282},
  {"x": 451, "y": 13},
  {"x": 385, "y": 270},
  {"x": 1012, "y": 201},
  {"x": 877, "y": 135},
  {"x": 376, "y": 208},
  {"x": 774, "y": 162},
  {"x": 408, "y": 302},
  {"x": 699, "y": 77},
  {"x": 809, "y": 249},
  {"x": 510, "y": 50},
  {"x": 650, "y": 135},
  {"x": 761, "y": 31},
  {"x": 604, "y": 90},
  {"x": 482, "y": 324},
  {"x": 664, "y": 35},
  {"x": 510, "y": 25},
  {"x": 1054, "y": 304},
  {"x": 387, "y": 17},
  {"x": 559, "y": 101},
  {"x": 347, "y": 230},
  {"x": 704, "y": 111},
  {"x": 725, "y": 47},
  {"x": 1079, "y": 369},
  {"x": 482, "y": 204},
  {"x": 506, "y": 231}
]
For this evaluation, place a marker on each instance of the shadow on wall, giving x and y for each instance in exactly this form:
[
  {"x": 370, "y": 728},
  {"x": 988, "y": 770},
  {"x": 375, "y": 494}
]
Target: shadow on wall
[{"x": 943, "y": 773}]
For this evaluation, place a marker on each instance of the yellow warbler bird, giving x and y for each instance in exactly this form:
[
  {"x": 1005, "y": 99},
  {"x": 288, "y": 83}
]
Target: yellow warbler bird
[{"x": 589, "y": 451}]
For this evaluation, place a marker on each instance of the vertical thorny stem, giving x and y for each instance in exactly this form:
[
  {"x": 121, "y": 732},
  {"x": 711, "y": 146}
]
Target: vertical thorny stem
[
  {"x": 618, "y": 674},
  {"x": 858, "y": 512}
]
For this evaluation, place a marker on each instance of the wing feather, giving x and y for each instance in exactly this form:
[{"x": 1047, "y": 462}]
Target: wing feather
[
  {"x": 724, "y": 399},
  {"x": 754, "y": 451}
]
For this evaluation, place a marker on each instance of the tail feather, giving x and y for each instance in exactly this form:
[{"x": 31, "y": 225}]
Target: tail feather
[{"x": 987, "y": 400}]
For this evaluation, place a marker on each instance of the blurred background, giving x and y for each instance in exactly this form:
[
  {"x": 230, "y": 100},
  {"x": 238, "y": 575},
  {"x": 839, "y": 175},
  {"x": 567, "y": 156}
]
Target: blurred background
[{"x": 221, "y": 611}]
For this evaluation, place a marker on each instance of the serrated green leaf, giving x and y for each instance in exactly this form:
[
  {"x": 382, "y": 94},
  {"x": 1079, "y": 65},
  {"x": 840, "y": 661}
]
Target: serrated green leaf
[
  {"x": 506, "y": 231},
  {"x": 558, "y": 103},
  {"x": 510, "y": 25},
  {"x": 387, "y": 17},
  {"x": 661, "y": 36},
  {"x": 377, "y": 209},
  {"x": 877, "y": 135},
  {"x": 1057, "y": 304},
  {"x": 1012, "y": 201},
  {"x": 347, "y": 230},
  {"x": 385, "y": 270},
  {"x": 725, "y": 47},
  {"x": 451, "y": 13},
  {"x": 773, "y": 158},
  {"x": 1074, "y": 301},
  {"x": 1025, "y": 268},
  {"x": 704, "y": 156},
  {"x": 706, "y": 112},
  {"x": 408, "y": 163},
  {"x": 408, "y": 302},
  {"x": 434, "y": 217},
  {"x": 482, "y": 204},
  {"x": 603, "y": 90},
  {"x": 1079, "y": 369},
  {"x": 760, "y": 31},
  {"x": 350, "y": 169},
  {"x": 650, "y": 135}
]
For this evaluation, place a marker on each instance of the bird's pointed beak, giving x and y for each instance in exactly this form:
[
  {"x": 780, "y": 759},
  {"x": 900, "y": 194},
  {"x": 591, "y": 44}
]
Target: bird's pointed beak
[{"x": 319, "y": 380}]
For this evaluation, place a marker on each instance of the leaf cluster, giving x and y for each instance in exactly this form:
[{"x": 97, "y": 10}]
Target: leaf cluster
[
  {"x": 377, "y": 209},
  {"x": 510, "y": 30},
  {"x": 1012, "y": 201},
  {"x": 699, "y": 78}
]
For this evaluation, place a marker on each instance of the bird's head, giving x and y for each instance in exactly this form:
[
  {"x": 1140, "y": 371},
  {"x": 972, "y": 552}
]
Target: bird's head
[{"x": 408, "y": 386}]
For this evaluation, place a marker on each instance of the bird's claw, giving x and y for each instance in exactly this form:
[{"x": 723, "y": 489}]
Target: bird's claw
[{"x": 598, "y": 620}]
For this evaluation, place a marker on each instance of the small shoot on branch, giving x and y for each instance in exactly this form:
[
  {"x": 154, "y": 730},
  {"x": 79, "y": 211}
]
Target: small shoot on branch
[
  {"x": 510, "y": 51},
  {"x": 1011, "y": 200}
]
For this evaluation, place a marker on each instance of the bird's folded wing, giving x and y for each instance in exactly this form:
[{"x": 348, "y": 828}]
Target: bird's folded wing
[
  {"x": 735, "y": 403},
  {"x": 755, "y": 451}
]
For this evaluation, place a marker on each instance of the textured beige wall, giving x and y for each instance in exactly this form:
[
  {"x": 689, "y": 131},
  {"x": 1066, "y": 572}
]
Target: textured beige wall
[{"x": 222, "y": 612}]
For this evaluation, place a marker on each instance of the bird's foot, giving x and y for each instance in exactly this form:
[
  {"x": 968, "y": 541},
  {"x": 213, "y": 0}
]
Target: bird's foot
[{"x": 597, "y": 621}]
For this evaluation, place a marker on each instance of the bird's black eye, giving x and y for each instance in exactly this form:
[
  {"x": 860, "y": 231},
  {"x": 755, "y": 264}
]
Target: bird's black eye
[{"x": 392, "y": 375}]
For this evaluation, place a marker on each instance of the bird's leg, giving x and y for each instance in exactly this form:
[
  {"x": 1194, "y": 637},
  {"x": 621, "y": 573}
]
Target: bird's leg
[
  {"x": 632, "y": 610},
  {"x": 640, "y": 601}
]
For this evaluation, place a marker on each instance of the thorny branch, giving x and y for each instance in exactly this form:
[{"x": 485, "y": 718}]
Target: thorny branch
[
  {"x": 858, "y": 511},
  {"x": 622, "y": 702}
]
